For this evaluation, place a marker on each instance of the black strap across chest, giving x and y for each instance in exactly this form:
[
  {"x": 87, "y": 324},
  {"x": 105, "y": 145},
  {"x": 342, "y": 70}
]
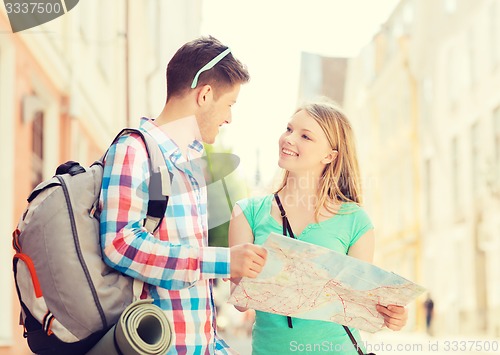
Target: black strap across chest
[{"x": 286, "y": 224}]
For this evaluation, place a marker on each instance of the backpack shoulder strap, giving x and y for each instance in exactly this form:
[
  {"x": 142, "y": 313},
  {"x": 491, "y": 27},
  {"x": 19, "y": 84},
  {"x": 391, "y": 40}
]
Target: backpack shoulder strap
[
  {"x": 161, "y": 178},
  {"x": 152, "y": 147}
]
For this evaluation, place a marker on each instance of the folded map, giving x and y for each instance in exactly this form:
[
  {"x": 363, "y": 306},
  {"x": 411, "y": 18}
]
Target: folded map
[{"x": 307, "y": 281}]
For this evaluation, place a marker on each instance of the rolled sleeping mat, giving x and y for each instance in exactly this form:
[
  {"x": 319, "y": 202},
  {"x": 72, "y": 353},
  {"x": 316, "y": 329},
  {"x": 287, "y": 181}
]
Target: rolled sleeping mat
[{"x": 143, "y": 329}]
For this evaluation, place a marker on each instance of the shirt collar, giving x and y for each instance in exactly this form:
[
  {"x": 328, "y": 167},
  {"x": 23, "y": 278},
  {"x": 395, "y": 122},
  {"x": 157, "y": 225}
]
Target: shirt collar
[{"x": 170, "y": 148}]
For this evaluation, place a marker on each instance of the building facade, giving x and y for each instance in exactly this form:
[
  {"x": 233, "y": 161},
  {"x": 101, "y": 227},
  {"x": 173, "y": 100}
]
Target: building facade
[
  {"x": 425, "y": 98},
  {"x": 66, "y": 88}
]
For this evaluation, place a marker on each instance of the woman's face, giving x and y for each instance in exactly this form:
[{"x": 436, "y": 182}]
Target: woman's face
[{"x": 303, "y": 147}]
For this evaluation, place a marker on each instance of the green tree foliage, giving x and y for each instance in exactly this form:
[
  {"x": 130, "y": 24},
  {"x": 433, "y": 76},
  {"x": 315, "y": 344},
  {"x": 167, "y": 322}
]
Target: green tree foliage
[{"x": 223, "y": 192}]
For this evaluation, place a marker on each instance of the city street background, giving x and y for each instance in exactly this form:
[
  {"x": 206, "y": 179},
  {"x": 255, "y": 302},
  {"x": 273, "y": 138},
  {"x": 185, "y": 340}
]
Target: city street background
[{"x": 419, "y": 79}]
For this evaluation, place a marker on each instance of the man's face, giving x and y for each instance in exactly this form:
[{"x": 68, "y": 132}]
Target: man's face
[{"x": 216, "y": 112}]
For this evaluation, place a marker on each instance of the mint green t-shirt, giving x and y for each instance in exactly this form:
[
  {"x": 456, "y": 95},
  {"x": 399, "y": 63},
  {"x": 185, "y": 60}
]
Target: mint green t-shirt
[{"x": 271, "y": 334}]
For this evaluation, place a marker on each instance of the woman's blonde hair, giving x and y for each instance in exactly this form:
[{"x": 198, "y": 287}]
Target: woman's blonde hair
[{"x": 340, "y": 179}]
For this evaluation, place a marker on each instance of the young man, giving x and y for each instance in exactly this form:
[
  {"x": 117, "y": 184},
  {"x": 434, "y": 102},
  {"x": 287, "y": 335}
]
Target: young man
[{"x": 175, "y": 262}]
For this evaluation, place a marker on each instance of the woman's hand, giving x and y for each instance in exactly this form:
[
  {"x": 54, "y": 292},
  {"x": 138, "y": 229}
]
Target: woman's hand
[{"x": 395, "y": 317}]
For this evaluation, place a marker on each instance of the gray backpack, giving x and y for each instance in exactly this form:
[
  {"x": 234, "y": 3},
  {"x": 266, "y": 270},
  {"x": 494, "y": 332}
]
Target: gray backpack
[{"x": 69, "y": 297}]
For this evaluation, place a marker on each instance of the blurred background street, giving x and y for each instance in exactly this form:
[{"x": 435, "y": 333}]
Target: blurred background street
[{"x": 419, "y": 79}]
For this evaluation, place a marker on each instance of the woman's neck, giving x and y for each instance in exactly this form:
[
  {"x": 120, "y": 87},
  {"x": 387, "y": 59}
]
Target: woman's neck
[{"x": 301, "y": 190}]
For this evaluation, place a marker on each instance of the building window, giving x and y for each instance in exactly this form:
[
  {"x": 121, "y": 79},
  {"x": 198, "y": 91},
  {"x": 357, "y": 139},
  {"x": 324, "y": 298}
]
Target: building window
[
  {"x": 474, "y": 150},
  {"x": 153, "y": 10},
  {"x": 426, "y": 93},
  {"x": 428, "y": 190},
  {"x": 87, "y": 11},
  {"x": 37, "y": 150},
  {"x": 105, "y": 33},
  {"x": 496, "y": 130},
  {"x": 408, "y": 14},
  {"x": 369, "y": 61},
  {"x": 494, "y": 29},
  {"x": 453, "y": 76},
  {"x": 471, "y": 56},
  {"x": 455, "y": 176},
  {"x": 450, "y": 6}
]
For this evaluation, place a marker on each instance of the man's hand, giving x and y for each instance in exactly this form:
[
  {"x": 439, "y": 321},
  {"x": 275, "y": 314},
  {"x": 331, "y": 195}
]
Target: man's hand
[
  {"x": 395, "y": 317},
  {"x": 247, "y": 260}
]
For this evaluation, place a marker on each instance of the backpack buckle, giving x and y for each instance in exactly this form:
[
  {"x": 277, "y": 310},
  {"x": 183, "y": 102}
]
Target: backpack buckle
[{"x": 15, "y": 240}]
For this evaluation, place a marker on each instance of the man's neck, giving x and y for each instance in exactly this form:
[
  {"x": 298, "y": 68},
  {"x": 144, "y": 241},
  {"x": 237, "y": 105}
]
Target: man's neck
[{"x": 178, "y": 121}]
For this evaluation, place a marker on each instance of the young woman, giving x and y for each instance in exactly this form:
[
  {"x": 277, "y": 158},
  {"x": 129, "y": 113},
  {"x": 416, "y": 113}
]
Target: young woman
[{"x": 321, "y": 195}]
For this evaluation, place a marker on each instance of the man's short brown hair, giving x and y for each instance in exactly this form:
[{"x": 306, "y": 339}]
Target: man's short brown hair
[{"x": 192, "y": 56}]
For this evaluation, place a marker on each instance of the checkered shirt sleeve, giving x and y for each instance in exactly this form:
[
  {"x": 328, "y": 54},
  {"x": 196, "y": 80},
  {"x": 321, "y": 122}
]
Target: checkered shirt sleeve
[{"x": 128, "y": 246}]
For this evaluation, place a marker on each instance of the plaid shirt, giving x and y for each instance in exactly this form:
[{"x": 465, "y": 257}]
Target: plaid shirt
[{"x": 175, "y": 262}]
